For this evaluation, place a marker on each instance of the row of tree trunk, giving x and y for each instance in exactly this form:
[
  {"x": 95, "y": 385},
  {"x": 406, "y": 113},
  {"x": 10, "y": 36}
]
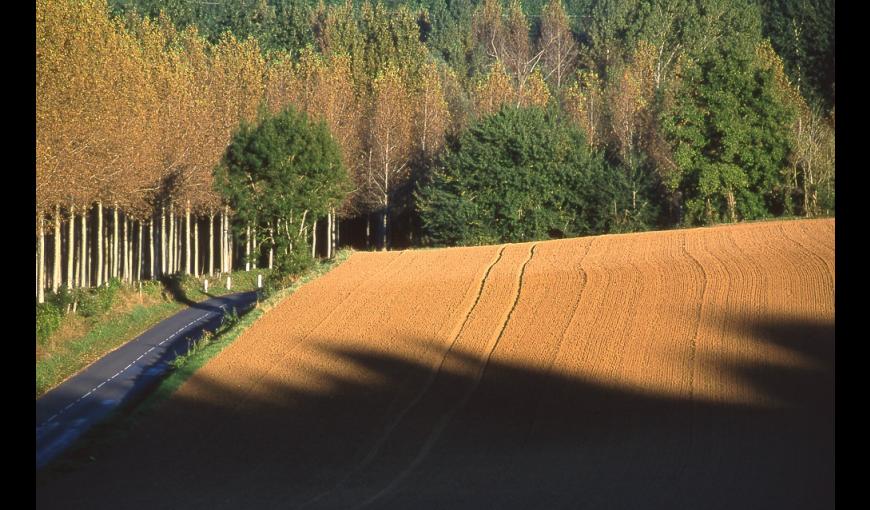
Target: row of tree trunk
[{"x": 97, "y": 249}]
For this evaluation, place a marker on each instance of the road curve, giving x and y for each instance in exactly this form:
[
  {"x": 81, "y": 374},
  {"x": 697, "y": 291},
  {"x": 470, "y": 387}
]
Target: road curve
[{"x": 67, "y": 411}]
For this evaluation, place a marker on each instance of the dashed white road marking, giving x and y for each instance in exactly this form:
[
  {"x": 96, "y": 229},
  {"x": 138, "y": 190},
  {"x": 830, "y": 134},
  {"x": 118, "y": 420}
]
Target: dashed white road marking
[{"x": 71, "y": 404}]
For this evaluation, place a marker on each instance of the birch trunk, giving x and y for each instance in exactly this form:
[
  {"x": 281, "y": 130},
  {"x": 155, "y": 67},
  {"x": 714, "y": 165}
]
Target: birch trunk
[
  {"x": 89, "y": 253},
  {"x": 328, "y": 234},
  {"x": 107, "y": 247},
  {"x": 248, "y": 248},
  {"x": 313, "y": 238},
  {"x": 271, "y": 245},
  {"x": 83, "y": 261},
  {"x": 196, "y": 248},
  {"x": 211, "y": 244},
  {"x": 162, "y": 240},
  {"x": 179, "y": 262},
  {"x": 55, "y": 277},
  {"x": 151, "y": 248},
  {"x": 40, "y": 266},
  {"x": 115, "y": 254},
  {"x": 256, "y": 250},
  {"x": 100, "y": 272},
  {"x": 223, "y": 246},
  {"x": 334, "y": 232},
  {"x": 125, "y": 251},
  {"x": 384, "y": 233},
  {"x": 139, "y": 252},
  {"x": 171, "y": 261},
  {"x": 70, "y": 248},
  {"x": 130, "y": 243},
  {"x": 187, "y": 238},
  {"x": 230, "y": 244}
]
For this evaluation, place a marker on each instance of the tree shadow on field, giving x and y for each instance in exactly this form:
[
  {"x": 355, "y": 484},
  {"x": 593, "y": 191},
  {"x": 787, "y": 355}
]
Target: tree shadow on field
[{"x": 361, "y": 429}]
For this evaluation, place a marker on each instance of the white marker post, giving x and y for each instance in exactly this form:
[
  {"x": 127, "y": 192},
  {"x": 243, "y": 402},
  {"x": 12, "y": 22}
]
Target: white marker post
[
  {"x": 259, "y": 281},
  {"x": 205, "y": 283},
  {"x": 229, "y": 283}
]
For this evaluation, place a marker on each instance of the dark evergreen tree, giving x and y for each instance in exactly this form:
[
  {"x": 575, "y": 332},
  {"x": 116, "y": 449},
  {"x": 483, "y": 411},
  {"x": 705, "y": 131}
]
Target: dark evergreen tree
[
  {"x": 518, "y": 175},
  {"x": 277, "y": 176}
]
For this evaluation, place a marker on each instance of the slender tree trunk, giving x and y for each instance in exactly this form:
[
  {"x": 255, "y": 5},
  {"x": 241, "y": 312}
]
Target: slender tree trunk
[
  {"x": 70, "y": 248},
  {"x": 107, "y": 247},
  {"x": 368, "y": 231},
  {"x": 223, "y": 244},
  {"x": 187, "y": 250},
  {"x": 55, "y": 277},
  {"x": 130, "y": 247},
  {"x": 230, "y": 245},
  {"x": 732, "y": 209},
  {"x": 88, "y": 266},
  {"x": 178, "y": 262},
  {"x": 40, "y": 267},
  {"x": 313, "y": 238},
  {"x": 125, "y": 249},
  {"x": 100, "y": 273},
  {"x": 171, "y": 261},
  {"x": 84, "y": 255},
  {"x": 115, "y": 254},
  {"x": 162, "y": 240},
  {"x": 271, "y": 244},
  {"x": 211, "y": 244},
  {"x": 139, "y": 252},
  {"x": 196, "y": 247},
  {"x": 334, "y": 233},
  {"x": 151, "y": 248},
  {"x": 248, "y": 248},
  {"x": 328, "y": 233},
  {"x": 256, "y": 250}
]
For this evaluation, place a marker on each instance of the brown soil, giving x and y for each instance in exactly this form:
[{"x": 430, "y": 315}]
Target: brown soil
[{"x": 679, "y": 369}]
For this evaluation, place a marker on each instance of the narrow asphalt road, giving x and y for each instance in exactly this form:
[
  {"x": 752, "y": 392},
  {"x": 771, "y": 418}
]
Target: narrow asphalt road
[{"x": 66, "y": 412}]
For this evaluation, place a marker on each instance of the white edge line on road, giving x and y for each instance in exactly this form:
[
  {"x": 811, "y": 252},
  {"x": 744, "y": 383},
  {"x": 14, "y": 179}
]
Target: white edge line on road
[{"x": 55, "y": 415}]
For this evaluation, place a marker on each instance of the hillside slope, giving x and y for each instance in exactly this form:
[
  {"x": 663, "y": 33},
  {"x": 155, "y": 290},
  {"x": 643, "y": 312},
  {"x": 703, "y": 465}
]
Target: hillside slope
[{"x": 679, "y": 369}]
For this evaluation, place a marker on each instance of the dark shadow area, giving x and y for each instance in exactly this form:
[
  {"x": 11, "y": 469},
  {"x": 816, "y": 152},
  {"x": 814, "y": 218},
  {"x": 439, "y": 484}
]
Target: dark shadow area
[
  {"x": 364, "y": 426},
  {"x": 172, "y": 285}
]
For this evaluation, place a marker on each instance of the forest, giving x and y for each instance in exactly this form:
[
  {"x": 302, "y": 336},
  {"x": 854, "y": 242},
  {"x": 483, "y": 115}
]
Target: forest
[{"x": 456, "y": 121}]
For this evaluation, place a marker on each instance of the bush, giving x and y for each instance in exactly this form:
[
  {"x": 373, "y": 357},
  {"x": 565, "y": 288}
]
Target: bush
[
  {"x": 98, "y": 301},
  {"x": 287, "y": 269},
  {"x": 48, "y": 318}
]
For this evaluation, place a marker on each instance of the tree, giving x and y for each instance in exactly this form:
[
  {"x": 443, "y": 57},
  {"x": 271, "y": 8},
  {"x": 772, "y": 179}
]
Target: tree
[
  {"x": 559, "y": 50},
  {"x": 279, "y": 174},
  {"x": 730, "y": 133},
  {"x": 390, "y": 141},
  {"x": 518, "y": 175}
]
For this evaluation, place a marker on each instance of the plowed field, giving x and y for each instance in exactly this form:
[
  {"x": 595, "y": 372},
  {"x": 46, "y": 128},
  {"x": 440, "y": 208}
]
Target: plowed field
[{"x": 679, "y": 369}]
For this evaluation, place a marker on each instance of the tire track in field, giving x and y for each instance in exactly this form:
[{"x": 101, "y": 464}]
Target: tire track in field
[
  {"x": 698, "y": 315},
  {"x": 382, "y": 439},
  {"x": 445, "y": 418},
  {"x": 552, "y": 359}
]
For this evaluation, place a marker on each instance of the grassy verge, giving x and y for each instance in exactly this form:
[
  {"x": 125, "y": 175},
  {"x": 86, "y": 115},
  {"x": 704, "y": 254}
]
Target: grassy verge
[
  {"x": 111, "y": 316},
  {"x": 118, "y": 425}
]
